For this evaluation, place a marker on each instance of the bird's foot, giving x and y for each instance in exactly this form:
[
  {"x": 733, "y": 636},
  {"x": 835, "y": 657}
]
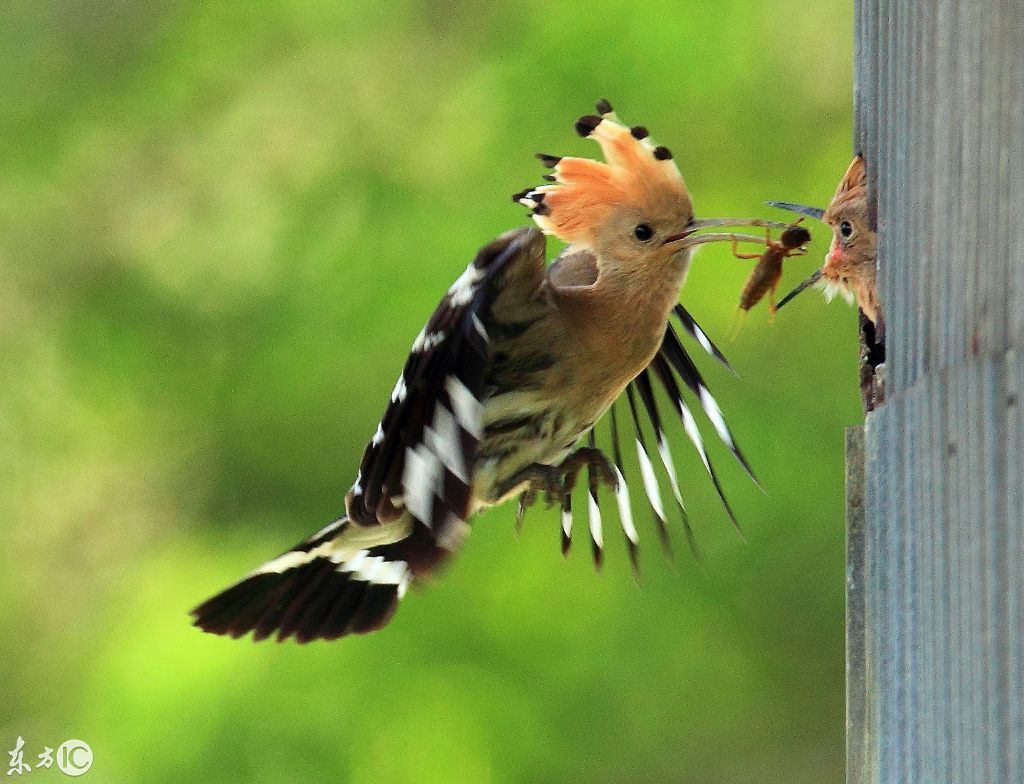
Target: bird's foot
[{"x": 556, "y": 482}]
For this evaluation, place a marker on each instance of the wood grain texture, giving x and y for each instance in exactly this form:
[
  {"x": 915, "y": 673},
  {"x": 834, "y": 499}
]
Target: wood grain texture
[
  {"x": 939, "y": 101},
  {"x": 858, "y": 733}
]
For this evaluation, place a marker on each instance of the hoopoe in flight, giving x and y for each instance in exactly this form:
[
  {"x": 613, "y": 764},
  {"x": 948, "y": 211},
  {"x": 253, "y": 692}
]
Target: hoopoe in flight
[{"x": 501, "y": 391}]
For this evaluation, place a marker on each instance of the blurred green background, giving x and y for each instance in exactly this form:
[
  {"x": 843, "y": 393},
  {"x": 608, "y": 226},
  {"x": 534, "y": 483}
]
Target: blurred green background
[{"x": 222, "y": 225}]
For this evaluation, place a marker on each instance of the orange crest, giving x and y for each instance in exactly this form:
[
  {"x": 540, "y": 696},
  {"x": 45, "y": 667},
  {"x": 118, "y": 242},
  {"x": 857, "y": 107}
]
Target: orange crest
[
  {"x": 851, "y": 199},
  {"x": 854, "y": 184},
  {"x": 584, "y": 192}
]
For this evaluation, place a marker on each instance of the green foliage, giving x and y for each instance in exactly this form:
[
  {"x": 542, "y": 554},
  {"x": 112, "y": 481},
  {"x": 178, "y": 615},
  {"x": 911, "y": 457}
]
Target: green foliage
[{"x": 222, "y": 224}]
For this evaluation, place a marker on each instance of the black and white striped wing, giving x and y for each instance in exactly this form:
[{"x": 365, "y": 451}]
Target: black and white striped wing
[
  {"x": 349, "y": 577},
  {"x": 421, "y": 458},
  {"x": 669, "y": 367}
]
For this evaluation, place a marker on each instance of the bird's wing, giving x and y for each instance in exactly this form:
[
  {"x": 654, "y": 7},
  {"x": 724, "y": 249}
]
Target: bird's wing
[
  {"x": 670, "y": 365},
  {"x": 420, "y": 459}
]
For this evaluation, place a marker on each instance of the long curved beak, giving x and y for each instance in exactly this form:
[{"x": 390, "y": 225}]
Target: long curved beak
[
  {"x": 814, "y": 278},
  {"x": 707, "y": 223},
  {"x": 800, "y": 209},
  {"x": 681, "y": 235}
]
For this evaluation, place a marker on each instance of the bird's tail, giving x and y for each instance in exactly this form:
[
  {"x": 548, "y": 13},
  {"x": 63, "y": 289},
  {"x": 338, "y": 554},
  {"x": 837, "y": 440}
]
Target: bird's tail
[{"x": 345, "y": 579}]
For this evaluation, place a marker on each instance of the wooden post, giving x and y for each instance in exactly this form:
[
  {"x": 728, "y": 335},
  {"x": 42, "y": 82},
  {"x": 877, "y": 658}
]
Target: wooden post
[
  {"x": 858, "y": 733},
  {"x": 940, "y": 119}
]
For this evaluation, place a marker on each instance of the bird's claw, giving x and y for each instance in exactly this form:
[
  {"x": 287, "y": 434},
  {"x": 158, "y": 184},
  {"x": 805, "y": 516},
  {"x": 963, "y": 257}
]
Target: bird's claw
[{"x": 556, "y": 482}]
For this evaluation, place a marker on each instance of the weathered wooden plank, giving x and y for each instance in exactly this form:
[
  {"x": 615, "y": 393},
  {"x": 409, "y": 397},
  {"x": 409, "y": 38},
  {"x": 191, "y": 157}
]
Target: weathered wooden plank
[
  {"x": 1014, "y": 559},
  {"x": 944, "y": 603},
  {"x": 857, "y": 742},
  {"x": 939, "y": 105}
]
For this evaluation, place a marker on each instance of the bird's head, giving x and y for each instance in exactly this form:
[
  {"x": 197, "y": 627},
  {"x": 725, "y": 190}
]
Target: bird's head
[
  {"x": 849, "y": 267},
  {"x": 630, "y": 211},
  {"x": 853, "y": 241}
]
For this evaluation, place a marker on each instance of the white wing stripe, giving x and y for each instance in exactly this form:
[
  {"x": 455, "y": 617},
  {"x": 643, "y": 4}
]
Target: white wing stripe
[
  {"x": 283, "y": 563},
  {"x": 705, "y": 343},
  {"x": 420, "y": 479},
  {"x": 399, "y": 392},
  {"x": 690, "y": 426},
  {"x": 367, "y": 568},
  {"x": 426, "y": 341},
  {"x": 710, "y": 406},
  {"x": 464, "y": 288},
  {"x": 466, "y": 407},
  {"x": 354, "y": 563},
  {"x": 670, "y": 468},
  {"x": 391, "y": 573},
  {"x": 594, "y": 514},
  {"x": 650, "y": 480},
  {"x": 403, "y": 584},
  {"x": 443, "y": 439},
  {"x": 625, "y": 510}
]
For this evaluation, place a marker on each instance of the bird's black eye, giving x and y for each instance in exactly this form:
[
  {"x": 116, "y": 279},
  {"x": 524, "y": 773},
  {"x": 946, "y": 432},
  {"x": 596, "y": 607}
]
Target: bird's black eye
[
  {"x": 845, "y": 229},
  {"x": 643, "y": 232}
]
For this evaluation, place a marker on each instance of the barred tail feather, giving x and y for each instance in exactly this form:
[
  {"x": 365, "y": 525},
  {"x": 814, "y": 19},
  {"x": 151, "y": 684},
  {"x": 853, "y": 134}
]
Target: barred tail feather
[
  {"x": 622, "y": 497},
  {"x": 670, "y": 386},
  {"x": 643, "y": 385},
  {"x": 650, "y": 481},
  {"x": 672, "y": 350},
  {"x": 566, "y": 523},
  {"x": 694, "y": 330},
  {"x": 333, "y": 584}
]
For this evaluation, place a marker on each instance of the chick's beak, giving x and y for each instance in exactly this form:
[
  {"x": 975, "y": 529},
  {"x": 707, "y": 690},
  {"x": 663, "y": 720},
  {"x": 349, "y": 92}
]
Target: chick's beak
[
  {"x": 800, "y": 209},
  {"x": 814, "y": 278}
]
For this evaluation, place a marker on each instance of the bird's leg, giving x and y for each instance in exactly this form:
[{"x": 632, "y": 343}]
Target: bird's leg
[
  {"x": 537, "y": 477},
  {"x": 526, "y": 499},
  {"x": 557, "y": 481},
  {"x": 592, "y": 458}
]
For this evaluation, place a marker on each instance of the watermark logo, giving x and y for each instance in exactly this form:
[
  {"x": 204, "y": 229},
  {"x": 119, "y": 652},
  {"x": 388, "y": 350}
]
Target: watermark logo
[
  {"x": 74, "y": 757},
  {"x": 17, "y": 755}
]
